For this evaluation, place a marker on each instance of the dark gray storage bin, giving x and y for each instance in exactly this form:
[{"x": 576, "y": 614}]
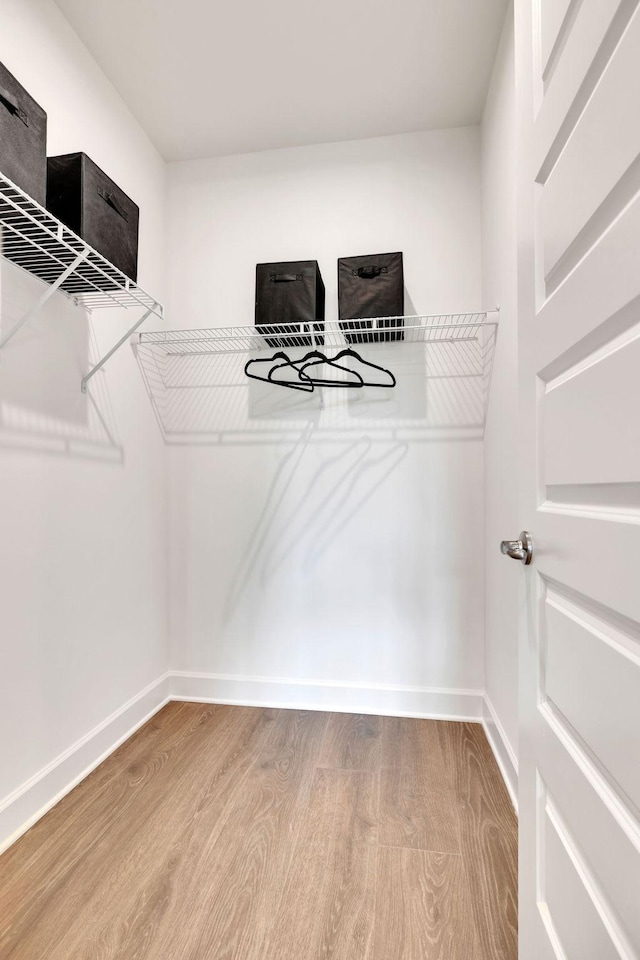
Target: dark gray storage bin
[
  {"x": 290, "y": 292},
  {"x": 370, "y": 286},
  {"x": 23, "y": 138},
  {"x": 84, "y": 198}
]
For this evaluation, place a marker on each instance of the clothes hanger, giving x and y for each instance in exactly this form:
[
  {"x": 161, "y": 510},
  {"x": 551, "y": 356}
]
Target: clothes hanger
[
  {"x": 292, "y": 384},
  {"x": 349, "y": 352},
  {"x": 307, "y": 383},
  {"x": 315, "y": 357}
]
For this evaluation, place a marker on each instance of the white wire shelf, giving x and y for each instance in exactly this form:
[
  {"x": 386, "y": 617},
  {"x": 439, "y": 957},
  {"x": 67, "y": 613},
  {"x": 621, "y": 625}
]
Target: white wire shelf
[
  {"x": 36, "y": 241},
  {"x": 40, "y": 244},
  {"x": 439, "y": 328},
  {"x": 197, "y": 385}
]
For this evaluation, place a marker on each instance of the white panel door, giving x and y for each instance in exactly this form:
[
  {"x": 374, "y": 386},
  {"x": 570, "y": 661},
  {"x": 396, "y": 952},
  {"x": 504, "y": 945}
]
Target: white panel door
[{"x": 578, "y": 76}]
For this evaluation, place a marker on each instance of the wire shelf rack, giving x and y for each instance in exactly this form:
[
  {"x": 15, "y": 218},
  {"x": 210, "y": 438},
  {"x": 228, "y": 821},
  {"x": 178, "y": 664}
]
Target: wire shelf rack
[
  {"x": 196, "y": 381},
  {"x": 423, "y": 329},
  {"x": 40, "y": 244}
]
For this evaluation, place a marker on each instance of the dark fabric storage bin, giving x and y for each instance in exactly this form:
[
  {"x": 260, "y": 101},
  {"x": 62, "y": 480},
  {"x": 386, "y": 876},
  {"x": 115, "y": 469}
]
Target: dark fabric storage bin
[
  {"x": 23, "y": 138},
  {"x": 84, "y": 198},
  {"x": 371, "y": 286},
  {"x": 291, "y": 292}
]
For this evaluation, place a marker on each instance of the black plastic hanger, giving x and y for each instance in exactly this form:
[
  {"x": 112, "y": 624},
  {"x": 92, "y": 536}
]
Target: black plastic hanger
[
  {"x": 294, "y": 385},
  {"x": 307, "y": 383},
  {"x": 315, "y": 357},
  {"x": 348, "y": 352}
]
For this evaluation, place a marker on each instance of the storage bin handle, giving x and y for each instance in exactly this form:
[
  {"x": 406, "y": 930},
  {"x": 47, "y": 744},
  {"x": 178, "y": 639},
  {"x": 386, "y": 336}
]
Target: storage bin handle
[
  {"x": 13, "y": 107},
  {"x": 284, "y": 277},
  {"x": 369, "y": 272},
  {"x": 113, "y": 203}
]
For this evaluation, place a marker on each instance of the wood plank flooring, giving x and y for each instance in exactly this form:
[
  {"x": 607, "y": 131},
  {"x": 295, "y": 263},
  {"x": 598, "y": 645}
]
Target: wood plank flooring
[{"x": 236, "y": 833}]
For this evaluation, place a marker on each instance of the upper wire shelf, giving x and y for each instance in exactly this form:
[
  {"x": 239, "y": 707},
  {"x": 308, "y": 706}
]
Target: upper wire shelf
[
  {"x": 200, "y": 393},
  {"x": 40, "y": 244}
]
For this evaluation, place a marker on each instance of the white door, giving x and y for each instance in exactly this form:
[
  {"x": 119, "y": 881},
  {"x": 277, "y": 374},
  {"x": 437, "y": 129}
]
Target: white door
[{"x": 578, "y": 77}]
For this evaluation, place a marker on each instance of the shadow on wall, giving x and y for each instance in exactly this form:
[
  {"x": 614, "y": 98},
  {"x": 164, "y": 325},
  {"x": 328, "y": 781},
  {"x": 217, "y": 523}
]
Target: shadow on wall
[
  {"x": 299, "y": 522},
  {"x": 41, "y": 405},
  {"x": 409, "y": 306}
]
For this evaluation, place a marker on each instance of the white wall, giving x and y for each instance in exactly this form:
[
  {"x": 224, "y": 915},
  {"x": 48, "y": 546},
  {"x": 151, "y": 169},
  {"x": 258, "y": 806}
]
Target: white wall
[
  {"x": 83, "y": 561},
  {"x": 499, "y": 284},
  {"x": 342, "y": 562}
]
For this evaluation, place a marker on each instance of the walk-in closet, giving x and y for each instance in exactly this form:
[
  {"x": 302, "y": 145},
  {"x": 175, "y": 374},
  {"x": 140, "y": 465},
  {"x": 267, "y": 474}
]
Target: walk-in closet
[{"x": 319, "y": 472}]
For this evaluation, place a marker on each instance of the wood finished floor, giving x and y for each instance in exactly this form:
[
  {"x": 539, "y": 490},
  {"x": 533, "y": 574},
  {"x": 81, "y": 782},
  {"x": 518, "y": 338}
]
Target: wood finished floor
[{"x": 236, "y": 833}]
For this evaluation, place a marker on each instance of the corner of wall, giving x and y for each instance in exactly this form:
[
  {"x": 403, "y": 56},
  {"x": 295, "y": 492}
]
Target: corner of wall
[
  {"x": 499, "y": 282},
  {"x": 26, "y": 805}
]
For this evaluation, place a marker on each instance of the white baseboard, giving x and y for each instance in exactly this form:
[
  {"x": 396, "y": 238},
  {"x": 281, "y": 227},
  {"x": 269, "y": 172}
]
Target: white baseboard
[
  {"x": 502, "y": 749},
  {"x": 374, "y": 698},
  {"x": 22, "y": 808}
]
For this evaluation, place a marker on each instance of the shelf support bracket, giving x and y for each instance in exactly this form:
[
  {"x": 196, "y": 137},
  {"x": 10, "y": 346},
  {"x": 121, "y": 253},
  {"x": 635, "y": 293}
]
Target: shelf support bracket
[
  {"x": 39, "y": 304},
  {"x": 107, "y": 356}
]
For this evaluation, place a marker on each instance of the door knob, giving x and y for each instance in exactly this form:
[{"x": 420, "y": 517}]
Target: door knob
[{"x": 521, "y": 549}]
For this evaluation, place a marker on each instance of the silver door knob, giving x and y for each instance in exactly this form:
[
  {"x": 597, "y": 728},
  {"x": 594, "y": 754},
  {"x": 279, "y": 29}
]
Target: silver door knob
[{"x": 521, "y": 549}]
